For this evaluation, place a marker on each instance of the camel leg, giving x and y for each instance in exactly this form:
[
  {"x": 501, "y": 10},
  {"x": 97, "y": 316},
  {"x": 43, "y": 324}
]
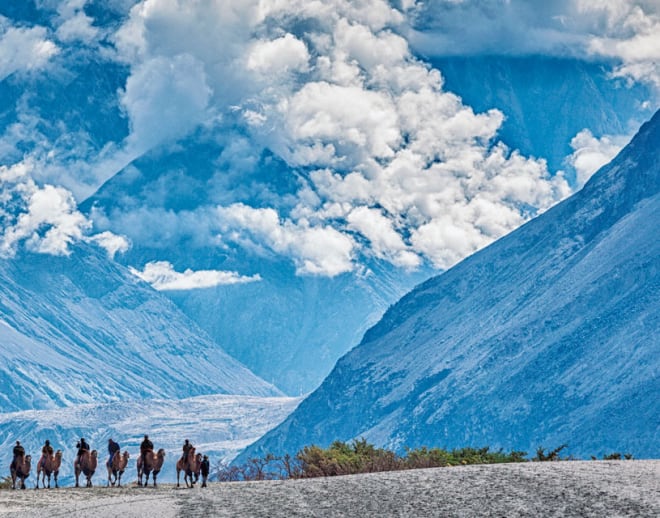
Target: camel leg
[
  {"x": 177, "y": 477},
  {"x": 55, "y": 477}
]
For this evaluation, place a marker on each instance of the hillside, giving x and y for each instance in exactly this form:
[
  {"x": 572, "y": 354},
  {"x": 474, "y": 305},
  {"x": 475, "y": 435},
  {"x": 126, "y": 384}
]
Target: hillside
[
  {"x": 83, "y": 329},
  {"x": 548, "y": 336}
]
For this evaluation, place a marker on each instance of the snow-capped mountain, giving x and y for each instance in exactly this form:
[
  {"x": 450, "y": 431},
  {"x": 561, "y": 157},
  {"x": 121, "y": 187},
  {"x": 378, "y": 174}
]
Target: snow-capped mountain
[
  {"x": 218, "y": 426},
  {"x": 548, "y": 336},
  {"x": 83, "y": 329}
]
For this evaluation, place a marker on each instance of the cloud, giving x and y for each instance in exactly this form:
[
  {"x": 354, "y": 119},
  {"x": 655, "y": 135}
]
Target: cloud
[
  {"x": 632, "y": 37},
  {"x": 44, "y": 219},
  {"x": 591, "y": 153},
  {"x": 627, "y": 31},
  {"x": 24, "y": 48},
  {"x": 390, "y": 165},
  {"x": 316, "y": 250},
  {"x": 111, "y": 243},
  {"x": 164, "y": 99},
  {"x": 162, "y": 276}
]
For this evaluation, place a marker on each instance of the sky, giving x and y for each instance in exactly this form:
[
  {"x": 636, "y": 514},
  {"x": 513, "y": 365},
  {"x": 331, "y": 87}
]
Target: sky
[{"x": 390, "y": 165}]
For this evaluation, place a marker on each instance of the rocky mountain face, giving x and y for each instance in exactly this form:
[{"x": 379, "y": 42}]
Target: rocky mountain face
[
  {"x": 83, "y": 329},
  {"x": 548, "y": 336},
  {"x": 547, "y": 100}
]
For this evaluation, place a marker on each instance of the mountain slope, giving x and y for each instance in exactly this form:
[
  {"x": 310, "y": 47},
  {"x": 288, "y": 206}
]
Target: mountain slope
[
  {"x": 548, "y": 336},
  {"x": 277, "y": 327},
  {"x": 546, "y": 100},
  {"x": 282, "y": 327},
  {"x": 82, "y": 329}
]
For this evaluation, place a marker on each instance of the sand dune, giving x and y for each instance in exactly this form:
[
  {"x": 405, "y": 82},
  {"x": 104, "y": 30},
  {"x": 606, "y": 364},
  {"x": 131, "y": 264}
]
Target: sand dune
[{"x": 576, "y": 488}]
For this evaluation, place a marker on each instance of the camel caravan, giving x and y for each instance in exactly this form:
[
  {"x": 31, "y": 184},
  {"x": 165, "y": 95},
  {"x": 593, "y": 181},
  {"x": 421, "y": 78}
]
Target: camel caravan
[{"x": 149, "y": 463}]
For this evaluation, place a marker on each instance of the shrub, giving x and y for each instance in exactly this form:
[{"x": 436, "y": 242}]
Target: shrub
[{"x": 553, "y": 455}]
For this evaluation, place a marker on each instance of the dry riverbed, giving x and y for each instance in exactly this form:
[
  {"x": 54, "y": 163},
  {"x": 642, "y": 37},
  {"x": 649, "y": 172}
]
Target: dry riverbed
[{"x": 570, "y": 488}]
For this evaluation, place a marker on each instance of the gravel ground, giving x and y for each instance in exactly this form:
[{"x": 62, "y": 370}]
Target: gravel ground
[{"x": 571, "y": 488}]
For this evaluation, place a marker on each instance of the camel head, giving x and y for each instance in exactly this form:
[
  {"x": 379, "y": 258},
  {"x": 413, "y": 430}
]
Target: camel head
[
  {"x": 95, "y": 454},
  {"x": 58, "y": 454},
  {"x": 161, "y": 453}
]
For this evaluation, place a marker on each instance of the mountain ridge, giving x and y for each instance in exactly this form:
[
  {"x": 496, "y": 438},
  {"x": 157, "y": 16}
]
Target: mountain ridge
[
  {"x": 82, "y": 329},
  {"x": 499, "y": 351}
]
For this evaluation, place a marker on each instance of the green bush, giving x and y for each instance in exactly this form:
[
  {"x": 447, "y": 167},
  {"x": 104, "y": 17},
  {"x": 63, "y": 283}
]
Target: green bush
[
  {"x": 553, "y": 455},
  {"x": 359, "y": 456}
]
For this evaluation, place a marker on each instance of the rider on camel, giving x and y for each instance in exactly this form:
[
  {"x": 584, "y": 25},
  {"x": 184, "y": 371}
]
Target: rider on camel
[
  {"x": 82, "y": 447},
  {"x": 46, "y": 452},
  {"x": 113, "y": 448},
  {"x": 145, "y": 446},
  {"x": 186, "y": 448},
  {"x": 18, "y": 451}
]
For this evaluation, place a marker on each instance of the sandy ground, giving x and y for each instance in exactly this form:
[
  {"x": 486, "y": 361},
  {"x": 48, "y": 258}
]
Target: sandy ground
[{"x": 585, "y": 489}]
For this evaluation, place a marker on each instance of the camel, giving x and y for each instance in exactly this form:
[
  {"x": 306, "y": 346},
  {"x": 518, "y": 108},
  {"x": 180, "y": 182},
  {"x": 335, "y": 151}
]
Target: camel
[
  {"x": 20, "y": 470},
  {"x": 86, "y": 466},
  {"x": 116, "y": 468},
  {"x": 190, "y": 466},
  {"x": 49, "y": 464},
  {"x": 153, "y": 464}
]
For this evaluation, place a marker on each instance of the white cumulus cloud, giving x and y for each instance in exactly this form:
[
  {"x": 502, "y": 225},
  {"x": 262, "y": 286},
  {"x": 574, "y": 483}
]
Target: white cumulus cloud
[
  {"x": 162, "y": 276},
  {"x": 627, "y": 31},
  {"x": 42, "y": 218},
  {"x": 384, "y": 153},
  {"x": 24, "y": 48},
  {"x": 591, "y": 153}
]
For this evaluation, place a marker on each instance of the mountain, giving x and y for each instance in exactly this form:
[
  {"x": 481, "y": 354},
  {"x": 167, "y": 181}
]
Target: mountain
[
  {"x": 284, "y": 327},
  {"x": 219, "y": 426},
  {"x": 83, "y": 329},
  {"x": 547, "y": 100},
  {"x": 73, "y": 118},
  {"x": 548, "y": 336}
]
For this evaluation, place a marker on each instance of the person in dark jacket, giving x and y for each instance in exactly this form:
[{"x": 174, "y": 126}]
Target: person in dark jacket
[
  {"x": 18, "y": 451},
  {"x": 113, "y": 448},
  {"x": 205, "y": 468},
  {"x": 82, "y": 447},
  {"x": 145, "y": 446},
  {"x": 186, "y": 448},
  {"x": 46, "y": 451}
]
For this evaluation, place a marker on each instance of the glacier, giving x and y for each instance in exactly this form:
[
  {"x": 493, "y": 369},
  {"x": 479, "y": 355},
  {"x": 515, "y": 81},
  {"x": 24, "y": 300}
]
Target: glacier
[
  {"x": 218, "y": 426},
  {"x": 548, "y": 336}
]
